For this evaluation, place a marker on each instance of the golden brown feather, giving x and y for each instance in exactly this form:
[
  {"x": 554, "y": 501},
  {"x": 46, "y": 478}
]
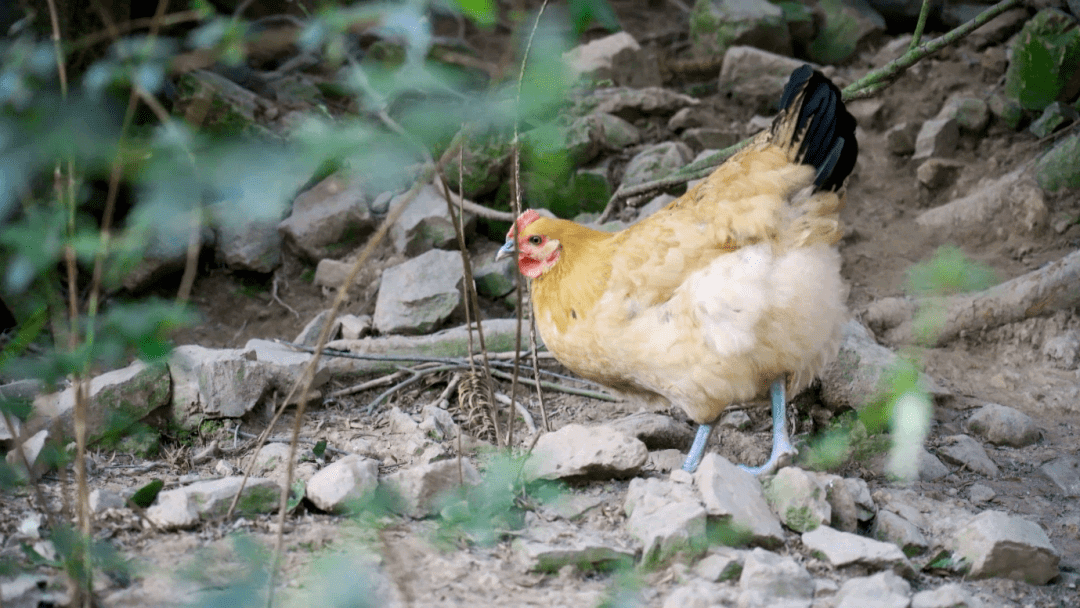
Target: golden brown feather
[{"x": 731, "y": 286}]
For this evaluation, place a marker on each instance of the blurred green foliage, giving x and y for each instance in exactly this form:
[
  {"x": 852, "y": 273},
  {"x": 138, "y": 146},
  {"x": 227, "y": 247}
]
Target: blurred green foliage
[
  {"x": 483, "y": 514},
  {"x": 183, "y": 179}
]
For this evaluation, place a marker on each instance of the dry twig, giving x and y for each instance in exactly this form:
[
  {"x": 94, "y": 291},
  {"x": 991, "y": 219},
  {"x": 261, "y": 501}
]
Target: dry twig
[{"x": 1055, "y": 286}]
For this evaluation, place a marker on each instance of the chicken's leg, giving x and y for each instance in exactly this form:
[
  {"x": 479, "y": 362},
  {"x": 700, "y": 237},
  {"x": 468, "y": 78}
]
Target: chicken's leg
[
  {"x": 697, "y": 451},
  {"x": 781, "y": 444}
]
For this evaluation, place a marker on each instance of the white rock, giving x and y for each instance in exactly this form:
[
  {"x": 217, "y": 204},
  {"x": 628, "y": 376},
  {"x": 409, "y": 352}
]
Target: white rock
[
  {"x": 721, "y": 564},
  {"x": 426, "y": 223},
  {"x": 217, "y": 382},
  {"x": 994, "y": 210},
  {"x": 580, "y": 451},
  {"x": 437, "y": 423},
  {"x": 664, "y": 515},
  {"x": 656, "y": 161},
  {"x": 938, "y": 173},
  {"x": 618, "y": 58},
  {"x": 626, "y": 101},
  {"x": 852, "y": 378},
  {"x": 1001, "y": 545},
  {"x": 937, "y": 138},
  {"x": 938, "y": 520},
  {"x": 966, "y": 451},
  {"x": 101, "y": 499},
  {"x": 798, "y": 499},
  {"x": 133, "y": 391},
  {"x": 184, "y": 507},
  {"x": 978, "y": 493},
  {"x": 769, "y": 580},
  {"x": 756, "y": 75},
  {"x": 656, "y": 431},
  {"x": 1063, "y": 350},
  {"x": 734, "y": 495},
  {"x": 270, "y": 457},
  {"x": 419, "y": 294},
  {"x": 347, "y": 480},
  {"x": 31, "y": 449},
  {"x": 325, "y": 214},
  {"x": 699, "y": 594},
  {"x": 331, "y": 273},
  {"x": 889, "y": 526},
  {"x": 931, "y": 467},
  {"x": 666, "y": 460},
  {"x": 883, "y": 590},
  {"x": 850, "y": 501},
  {"x": 354, "y": 327},
  {"x": 422, "y": 486},
  {"x": 550, "y": 546},
  {"x": 949, "y": 595},
  {"x": 1003, "y": 425},
  {"x": 1065, "y": 473},
  {"x": 844, "y": 549}
]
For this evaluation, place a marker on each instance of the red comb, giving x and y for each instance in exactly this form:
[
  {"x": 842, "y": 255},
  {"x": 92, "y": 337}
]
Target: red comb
[{"x": 526, "y": 218}]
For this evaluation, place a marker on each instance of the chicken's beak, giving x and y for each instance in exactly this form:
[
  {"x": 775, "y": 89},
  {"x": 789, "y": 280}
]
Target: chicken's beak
[{"x": 505, "y": 250}]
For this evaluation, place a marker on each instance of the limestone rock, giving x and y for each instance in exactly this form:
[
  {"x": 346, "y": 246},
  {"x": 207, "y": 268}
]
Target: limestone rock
[
  {"x": 419, "y": 294},
  {"x": 1000, "y": 545},
  {"x": 346, "y": 480},
  {"x": 579, "y": 451},
  {"x": 1003, "y": 425}
]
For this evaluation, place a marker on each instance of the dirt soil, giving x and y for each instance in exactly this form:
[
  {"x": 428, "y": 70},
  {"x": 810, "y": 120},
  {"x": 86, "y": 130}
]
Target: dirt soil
[{"x": 1003, "y": 365}]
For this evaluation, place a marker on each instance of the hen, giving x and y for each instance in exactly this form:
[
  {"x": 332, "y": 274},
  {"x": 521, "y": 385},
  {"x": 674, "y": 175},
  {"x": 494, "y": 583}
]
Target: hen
[{"x": 731, "y": 292}]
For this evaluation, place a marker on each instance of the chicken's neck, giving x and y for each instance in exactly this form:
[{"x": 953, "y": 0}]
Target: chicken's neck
[{"x": 568, "y": 291}]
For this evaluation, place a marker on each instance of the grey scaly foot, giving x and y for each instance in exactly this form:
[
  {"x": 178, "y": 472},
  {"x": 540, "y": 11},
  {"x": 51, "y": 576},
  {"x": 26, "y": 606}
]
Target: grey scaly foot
[
  {"x": 697, "y": 450},
  {"x": 782, "y": 450}
]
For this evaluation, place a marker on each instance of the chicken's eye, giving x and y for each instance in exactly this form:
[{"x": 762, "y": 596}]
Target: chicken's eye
[{"x": 535, "y": 239}]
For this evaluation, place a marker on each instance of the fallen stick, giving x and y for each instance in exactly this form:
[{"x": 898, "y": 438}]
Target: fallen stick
[{"x": 1053, "y": 287}]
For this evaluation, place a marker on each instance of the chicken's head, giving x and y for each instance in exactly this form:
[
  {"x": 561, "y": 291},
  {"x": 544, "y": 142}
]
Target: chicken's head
[{"x": 537, "y": 252}]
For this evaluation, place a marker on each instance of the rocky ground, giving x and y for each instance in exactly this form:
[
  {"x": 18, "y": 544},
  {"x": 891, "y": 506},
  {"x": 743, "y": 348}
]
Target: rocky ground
[{"x": 947, "y": 157}]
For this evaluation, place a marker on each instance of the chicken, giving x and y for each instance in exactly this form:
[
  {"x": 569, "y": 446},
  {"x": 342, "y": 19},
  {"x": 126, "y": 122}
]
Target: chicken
[{"x": 731, "y": 292}]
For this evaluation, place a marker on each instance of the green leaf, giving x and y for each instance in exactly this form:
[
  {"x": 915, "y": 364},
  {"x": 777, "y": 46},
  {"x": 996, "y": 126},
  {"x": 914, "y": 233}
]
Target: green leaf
[
  {"x": 145, "y": 496},
  {"x": 584, "y": 12},
  {"x": 296, "y": 495},
  {"x": 949, "y": 272},
  {"x": 320, "y": 449},
  {"x": 482, "y": 12},
  {"x": 26, "y": 334}
]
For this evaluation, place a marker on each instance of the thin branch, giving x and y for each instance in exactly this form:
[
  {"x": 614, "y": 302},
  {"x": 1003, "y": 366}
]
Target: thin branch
[
  {"x": 536, "y": 366},
  {"x": 364, "y": 386},
  {"x": 417, "y": 375},
  {"x": 61, "y": 67},
  {"x": 303, "y": 384},
  {"x": 274, "y": 297},
  {"x": 894, "y": 68},
  {"x": 135, "y": 24},
  {"x": 18, "y": 437},
  {"x": 515, "y": 198},
  {"x": 916, "y": 37},
  {"x": 561, "y": 388},
  {"x": 504, "y": 399}
]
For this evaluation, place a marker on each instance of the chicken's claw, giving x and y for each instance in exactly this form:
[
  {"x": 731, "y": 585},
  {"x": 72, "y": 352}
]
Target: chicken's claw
[{"x": 782, "y": 451}]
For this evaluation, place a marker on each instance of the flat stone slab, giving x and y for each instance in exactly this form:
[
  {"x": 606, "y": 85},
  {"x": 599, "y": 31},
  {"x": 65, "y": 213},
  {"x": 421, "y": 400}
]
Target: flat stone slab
[
  {"x": 186, "y": 506},
  {"x": 577, "y": 451},
  {"x": 845, "y": 549}
]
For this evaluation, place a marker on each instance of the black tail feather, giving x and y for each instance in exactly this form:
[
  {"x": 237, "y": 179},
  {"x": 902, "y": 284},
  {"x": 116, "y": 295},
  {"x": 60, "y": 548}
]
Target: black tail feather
[{"x": 824, "y": 129}]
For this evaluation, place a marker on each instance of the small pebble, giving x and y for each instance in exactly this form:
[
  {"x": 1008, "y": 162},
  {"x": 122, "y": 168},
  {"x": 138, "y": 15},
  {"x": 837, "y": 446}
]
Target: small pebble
[{"x": 978, "y": 494}]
